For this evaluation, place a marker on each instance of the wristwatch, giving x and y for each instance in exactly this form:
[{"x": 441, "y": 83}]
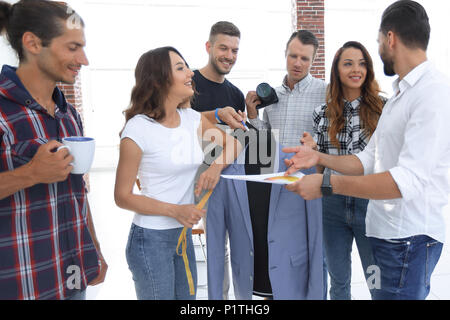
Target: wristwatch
[{"x": 326, "y": 188}]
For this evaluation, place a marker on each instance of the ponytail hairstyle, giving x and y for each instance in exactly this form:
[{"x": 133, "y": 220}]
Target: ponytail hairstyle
[
  {"x": 43, "y": 18},
  {"x": 5, "y": 10}
]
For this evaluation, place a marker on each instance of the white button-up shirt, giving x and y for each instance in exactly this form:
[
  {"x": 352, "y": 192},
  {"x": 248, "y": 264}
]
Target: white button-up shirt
[
  {"x": 412, "y": 142},
  {"x": 292, "y": 114}
]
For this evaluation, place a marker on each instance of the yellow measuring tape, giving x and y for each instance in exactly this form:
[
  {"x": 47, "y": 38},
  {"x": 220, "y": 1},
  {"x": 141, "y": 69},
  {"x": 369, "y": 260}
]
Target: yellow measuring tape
[{"x": 183, "y": 242}]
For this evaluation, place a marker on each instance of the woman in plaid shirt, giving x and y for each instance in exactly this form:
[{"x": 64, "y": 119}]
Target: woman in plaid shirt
[{"x": 344, "y": 126}]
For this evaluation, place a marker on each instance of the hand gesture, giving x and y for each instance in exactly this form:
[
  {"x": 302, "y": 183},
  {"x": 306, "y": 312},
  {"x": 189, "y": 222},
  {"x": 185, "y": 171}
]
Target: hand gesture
[
  {"x": 304, "y": 158},
  {"x": 308, "y": 140},
  {"x": 232, "y": 118}
]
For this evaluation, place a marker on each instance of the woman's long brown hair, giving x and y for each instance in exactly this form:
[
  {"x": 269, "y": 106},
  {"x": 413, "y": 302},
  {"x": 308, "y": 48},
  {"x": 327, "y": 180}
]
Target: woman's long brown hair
[
  {"x": 153, "y": 79},
  {"x": 371, "y": 103}
]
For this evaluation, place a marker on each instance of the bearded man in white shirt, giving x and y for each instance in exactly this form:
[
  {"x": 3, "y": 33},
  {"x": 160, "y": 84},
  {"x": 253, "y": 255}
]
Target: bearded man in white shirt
[{"x": 404, "y": 169}]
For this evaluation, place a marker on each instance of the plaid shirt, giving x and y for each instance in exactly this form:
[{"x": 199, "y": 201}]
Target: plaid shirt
[
  {"x": 46, "y": 250},
  {"x": 351, "y": 138},
  {"x": 291, "y": 115}
]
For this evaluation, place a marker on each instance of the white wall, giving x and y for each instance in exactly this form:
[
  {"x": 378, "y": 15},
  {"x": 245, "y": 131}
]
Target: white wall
[
  {"x": 359, "y": 20},
  {"x": 7, "y": 55}
]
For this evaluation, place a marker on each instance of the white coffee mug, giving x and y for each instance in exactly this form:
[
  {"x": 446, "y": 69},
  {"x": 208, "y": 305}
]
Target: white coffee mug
[{"x": 82, "y": 149}]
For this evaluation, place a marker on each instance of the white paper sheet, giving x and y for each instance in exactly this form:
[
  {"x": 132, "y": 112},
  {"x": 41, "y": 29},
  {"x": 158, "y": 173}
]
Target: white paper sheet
[{"x": 275, "y": 178}]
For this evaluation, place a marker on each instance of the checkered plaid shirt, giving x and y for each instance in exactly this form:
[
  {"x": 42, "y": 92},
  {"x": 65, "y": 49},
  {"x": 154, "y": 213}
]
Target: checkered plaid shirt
[
  {"x": 291, "y": 115},
  {"x": 46, "y": 249},
  {"x": 351, "y": 138}
]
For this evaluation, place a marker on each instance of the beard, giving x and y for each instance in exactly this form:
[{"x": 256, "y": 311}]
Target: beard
[
  {"x": 388, "y": 66},
  {"x": 217, "y": 69}
]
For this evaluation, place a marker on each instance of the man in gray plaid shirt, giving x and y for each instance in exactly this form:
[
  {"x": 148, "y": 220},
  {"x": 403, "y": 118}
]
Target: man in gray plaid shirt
[{"x": 298, "y": 96}]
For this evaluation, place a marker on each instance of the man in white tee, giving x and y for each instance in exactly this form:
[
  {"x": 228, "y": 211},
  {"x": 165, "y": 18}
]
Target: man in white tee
[{"x": 404, "y": 169}]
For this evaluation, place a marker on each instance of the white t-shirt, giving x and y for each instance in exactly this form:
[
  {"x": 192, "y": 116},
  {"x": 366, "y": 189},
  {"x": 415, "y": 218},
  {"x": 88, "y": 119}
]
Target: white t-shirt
[
  {"x": 412, "y": 142},
  {"x": 170, "y": 159}
]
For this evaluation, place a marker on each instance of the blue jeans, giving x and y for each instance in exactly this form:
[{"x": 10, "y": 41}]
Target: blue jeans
[
  {"x": 344, "y": 220},
  {"x": 405, "y": 266},
  {"x": 79, "y": 295},
  {"x": 158, "y": 271},
  {"x": 325, "y": 275}
]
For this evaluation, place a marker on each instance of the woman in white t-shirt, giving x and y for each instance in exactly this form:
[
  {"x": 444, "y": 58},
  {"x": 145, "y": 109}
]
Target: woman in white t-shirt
[{"x": 161, "y": 145}]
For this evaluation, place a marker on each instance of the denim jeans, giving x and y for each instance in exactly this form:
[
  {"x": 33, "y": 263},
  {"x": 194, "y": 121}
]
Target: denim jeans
[
  {"x": 405, "y": 266},
  {"x": 344, "y": 220},
  {"x": 325, "y": 275},
  {"x": 158, "y": 271},
  {"x": 79, "y": 295}
]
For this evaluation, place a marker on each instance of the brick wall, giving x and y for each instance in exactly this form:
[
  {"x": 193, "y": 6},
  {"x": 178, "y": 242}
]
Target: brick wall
[
  {"x": 73, "y": 95},
  {"x": 311, "y": 16},
  {"x": 72, "y": 92}
]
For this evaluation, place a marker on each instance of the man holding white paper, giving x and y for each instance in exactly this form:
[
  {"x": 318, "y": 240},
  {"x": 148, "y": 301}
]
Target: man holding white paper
[{"x": 404, "y": 168}]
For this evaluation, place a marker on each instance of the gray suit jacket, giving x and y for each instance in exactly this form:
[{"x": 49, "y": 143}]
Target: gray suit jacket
[{"x": 294, "y": 239}]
